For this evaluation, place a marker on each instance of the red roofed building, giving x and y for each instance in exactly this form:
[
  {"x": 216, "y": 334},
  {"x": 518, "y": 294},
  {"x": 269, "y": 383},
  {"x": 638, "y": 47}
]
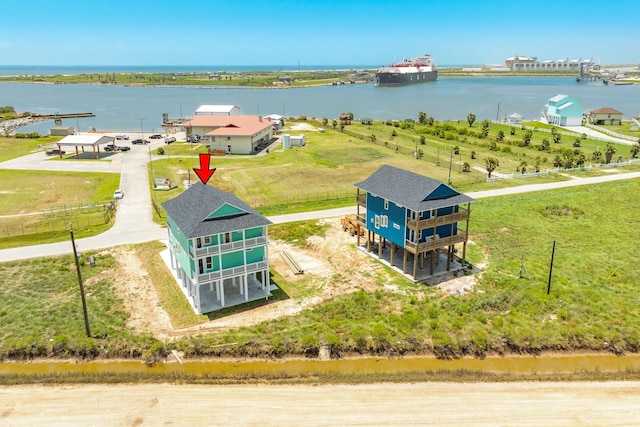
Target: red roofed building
[
  {"x": 231, "y": 134},
  {"x": 605, "y": 116}
]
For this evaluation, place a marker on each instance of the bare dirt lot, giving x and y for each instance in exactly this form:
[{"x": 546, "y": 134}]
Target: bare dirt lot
[{"x": 440, "y": 404}]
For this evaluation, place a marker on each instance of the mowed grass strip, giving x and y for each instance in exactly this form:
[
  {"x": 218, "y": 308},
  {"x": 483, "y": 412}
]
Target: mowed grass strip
[
  {"x": 41, "y": 191},
  {"x": 10, "y": 148}
]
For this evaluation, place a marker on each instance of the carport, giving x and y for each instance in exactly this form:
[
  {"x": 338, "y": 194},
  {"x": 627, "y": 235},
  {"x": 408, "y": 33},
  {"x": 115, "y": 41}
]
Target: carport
[{"x": 93, "y": 141}]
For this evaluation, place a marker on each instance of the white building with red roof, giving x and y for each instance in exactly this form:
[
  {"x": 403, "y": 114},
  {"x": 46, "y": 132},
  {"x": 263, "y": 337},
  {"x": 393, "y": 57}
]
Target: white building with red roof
[{"x": 231, "y": 134}]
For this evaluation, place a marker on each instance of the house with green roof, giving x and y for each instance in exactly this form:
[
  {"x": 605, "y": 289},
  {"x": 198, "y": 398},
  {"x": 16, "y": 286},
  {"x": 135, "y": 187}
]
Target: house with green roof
[
  {"x": 218, "y": 248},
  {"x": 412, "y": 216}
]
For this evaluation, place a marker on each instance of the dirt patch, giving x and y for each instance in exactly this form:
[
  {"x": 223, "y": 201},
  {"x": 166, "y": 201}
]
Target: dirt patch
[
  {"x": 133, "y": 284},
  {"x": 331, "y": 264}
]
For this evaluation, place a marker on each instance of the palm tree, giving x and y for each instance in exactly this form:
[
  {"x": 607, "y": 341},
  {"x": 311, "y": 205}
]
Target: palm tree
[
  {"x": 471, "y": 118},
  {"x": 635, "y": 150},
  {"x": 491, "y": 164},
  {"x": 500, "y": 136},
  {"x": 526, "y": 139},
  {"x": 523, "y": 167},
  {"x": 431, "y": 121},
  {"x": 609, "y": 152},
  {"x": 556, "y": 136},
  {"x": 422, "y": 116}
]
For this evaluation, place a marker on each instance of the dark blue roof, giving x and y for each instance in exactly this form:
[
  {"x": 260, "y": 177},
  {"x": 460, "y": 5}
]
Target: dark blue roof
[
  {"x": 190, "y": 212},
  {"x": 416, "y": 192}
]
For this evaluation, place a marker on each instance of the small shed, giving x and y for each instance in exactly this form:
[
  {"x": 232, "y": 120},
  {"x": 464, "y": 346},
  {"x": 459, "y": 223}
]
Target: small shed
[{"x": 61, "y": 131}]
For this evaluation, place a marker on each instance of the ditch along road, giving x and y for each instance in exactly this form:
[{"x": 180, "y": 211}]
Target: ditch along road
[{"x": 134, "y": 220}]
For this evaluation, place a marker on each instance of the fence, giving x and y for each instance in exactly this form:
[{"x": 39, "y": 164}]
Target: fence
[
  {"x": 281, "y": 203},
  {"x": 79, "y": 216}
]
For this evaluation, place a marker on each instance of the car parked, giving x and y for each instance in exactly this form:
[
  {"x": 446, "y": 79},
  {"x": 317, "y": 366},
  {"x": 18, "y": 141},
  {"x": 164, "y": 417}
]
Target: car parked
[
  {"x": 140, "y": 141},
  {"x": 155, "y": 136},
  {"x": 118, "y": 194},
  {"x": 169, "y": 140},
  {"x": 122, "y": 137},
  {"x": 109, "y": 147},
  {"x": 123, "y": 148},
  {"x": 54, "y": 152}
]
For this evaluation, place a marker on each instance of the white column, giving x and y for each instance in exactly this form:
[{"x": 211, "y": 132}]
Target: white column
[
  {"x": 246, "y": 288},
  {"x": 240, "y": 285},
  {"x": 222, "y": 293}
]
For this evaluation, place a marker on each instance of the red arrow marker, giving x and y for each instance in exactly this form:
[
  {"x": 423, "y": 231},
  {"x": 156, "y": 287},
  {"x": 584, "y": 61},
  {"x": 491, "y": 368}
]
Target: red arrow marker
[{"x": 204, "y": 173}]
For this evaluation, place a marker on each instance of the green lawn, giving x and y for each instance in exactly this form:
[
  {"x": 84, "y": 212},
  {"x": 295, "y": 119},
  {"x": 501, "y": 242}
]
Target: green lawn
[
  {"x": 56, "y": 199},
  {"x": 10, "y": 148}
]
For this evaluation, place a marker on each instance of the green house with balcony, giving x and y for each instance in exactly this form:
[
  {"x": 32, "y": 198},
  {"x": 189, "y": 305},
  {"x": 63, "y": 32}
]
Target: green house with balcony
[
  {"x": 218, "y": 248},
  {"x": 412, "y": 217}
]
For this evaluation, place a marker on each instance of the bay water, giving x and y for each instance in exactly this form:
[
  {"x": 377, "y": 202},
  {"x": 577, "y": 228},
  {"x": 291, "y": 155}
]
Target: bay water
[{"x": 131, "y": 109}]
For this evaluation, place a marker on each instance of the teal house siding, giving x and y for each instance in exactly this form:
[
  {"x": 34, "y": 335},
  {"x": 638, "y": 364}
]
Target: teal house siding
[
  {"x": 219, "y": 248},
  {"x": 563, "y": 110}
]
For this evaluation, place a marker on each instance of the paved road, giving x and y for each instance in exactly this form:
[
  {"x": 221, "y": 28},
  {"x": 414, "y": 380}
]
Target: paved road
[{"x": 134, "y": 222}]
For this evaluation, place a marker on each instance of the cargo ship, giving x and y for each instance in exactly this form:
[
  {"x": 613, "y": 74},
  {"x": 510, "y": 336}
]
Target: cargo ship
[{"x": 416, "y": 70}]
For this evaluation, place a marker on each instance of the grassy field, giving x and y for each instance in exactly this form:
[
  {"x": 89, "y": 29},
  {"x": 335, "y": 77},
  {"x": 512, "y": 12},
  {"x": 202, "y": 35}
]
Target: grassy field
[
  {"x": 322, "y": 173},
  {"x": 41, "y": 311},
  {"x": 10, "y": 148},
  {"x": 592, "y": 304},
  {"x": 56, "y": 199}
]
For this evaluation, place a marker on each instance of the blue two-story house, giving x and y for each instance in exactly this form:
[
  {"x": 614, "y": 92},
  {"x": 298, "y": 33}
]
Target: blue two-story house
[
  {"x": 218, "y": 248},
  {"x": 415, "y": 214}
]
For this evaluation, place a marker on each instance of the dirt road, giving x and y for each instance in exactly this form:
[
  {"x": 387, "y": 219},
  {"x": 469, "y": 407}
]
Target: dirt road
[{"x": 484, "y": 404}]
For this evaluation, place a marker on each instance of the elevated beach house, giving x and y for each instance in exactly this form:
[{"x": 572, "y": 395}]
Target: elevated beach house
[
  {"x": 412, "y": 216},
  {"x": 218, "y": 248},
  {"x": 605, "y": 116},
  {"x": 562, "y": 110}
]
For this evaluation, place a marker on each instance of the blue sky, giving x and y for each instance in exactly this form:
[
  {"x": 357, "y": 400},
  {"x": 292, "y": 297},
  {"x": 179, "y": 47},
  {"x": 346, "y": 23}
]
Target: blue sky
[{"x": 346, "y": 32}]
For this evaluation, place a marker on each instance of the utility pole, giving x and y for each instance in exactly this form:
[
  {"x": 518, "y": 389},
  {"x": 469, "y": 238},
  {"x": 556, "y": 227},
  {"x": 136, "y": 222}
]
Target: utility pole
[
  {"x": 450, "y": 164},
  {"x": 84, "y": 301},
  {"x": 553, "y": 251}
]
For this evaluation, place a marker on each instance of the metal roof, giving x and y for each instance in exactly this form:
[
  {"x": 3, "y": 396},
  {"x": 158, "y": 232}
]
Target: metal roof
[
  {"x": 84, "y": 140},
  {"x": 191, "y": 210}
]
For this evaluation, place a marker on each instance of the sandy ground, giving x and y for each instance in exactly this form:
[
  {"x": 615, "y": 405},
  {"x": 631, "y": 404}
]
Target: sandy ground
[
  {"x": 438, "y": 404},
  {"x": 331, "y": 267}
]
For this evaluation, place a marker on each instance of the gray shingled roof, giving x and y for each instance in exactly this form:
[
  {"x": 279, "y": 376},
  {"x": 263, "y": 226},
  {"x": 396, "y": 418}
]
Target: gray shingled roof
[
  {"x": 408, "y": 189},
  {"x": 190, "y": 210}
]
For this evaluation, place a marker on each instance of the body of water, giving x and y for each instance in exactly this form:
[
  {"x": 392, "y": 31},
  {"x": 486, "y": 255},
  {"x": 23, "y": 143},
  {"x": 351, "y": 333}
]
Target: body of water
[{"x": 120, "y": 108}]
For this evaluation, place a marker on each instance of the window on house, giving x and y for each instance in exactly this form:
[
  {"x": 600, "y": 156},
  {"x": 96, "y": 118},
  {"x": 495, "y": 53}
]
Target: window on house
[
  {"x": 198, "y": 242},
  {"x": 377, "y": 223},
  {"x": 384, "y": 221},
  {"x": 207, "y": 240},
  {"x": 386, "y": 204},
  {"x": 200, "y": 266},
  {"x": 227, "y": 237},
  {"x": 209, "y": 262}
]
